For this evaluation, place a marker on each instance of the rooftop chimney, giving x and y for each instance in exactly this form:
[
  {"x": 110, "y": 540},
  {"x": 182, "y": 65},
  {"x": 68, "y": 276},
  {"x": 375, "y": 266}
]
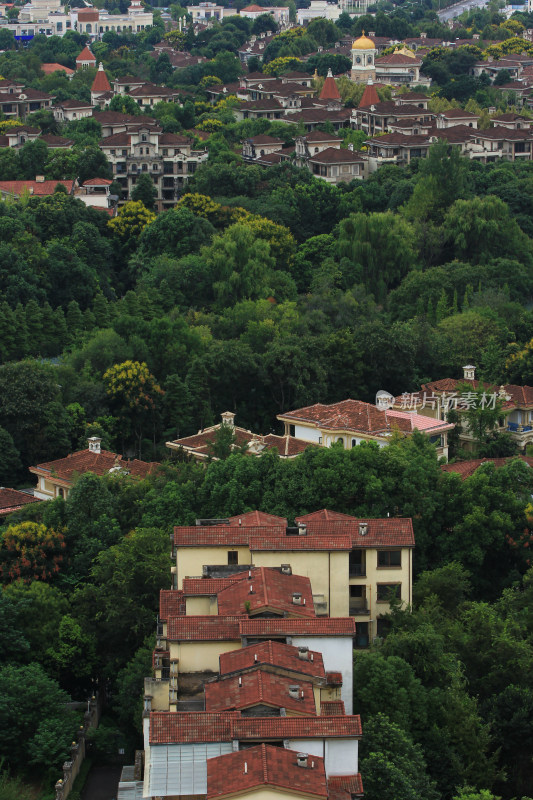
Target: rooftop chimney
[
  {"x": 469, "y": 372},
  {"x": 294, "y": 692},
  {"x": 297, "y": 598},
  {"x": 94, "y": 444},
  {"x": 363, "y": 528},
  {"x": 39, "y": 179},
  {"x": 303, "y": 653},
  {"x": 228, "y": 418},
  {"x": 302, "y": 529},
  {"x": 301, "y": 759},
  {"x": 286, "y": 569}
]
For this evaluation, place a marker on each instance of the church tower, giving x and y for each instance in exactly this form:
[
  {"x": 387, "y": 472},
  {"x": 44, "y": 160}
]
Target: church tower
[{"x": 363, "y": 60}]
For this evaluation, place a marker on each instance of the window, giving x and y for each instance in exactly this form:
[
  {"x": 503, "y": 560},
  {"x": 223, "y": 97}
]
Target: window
[
  {"x": 389, "y": 558},
  {"x": 387, "y": 591},
  {"x": 124, "y": 153},
  {"x": 233, "y": 557},
  {"x": 141, "y": 151},
  {"x": 143, "y": 137}
]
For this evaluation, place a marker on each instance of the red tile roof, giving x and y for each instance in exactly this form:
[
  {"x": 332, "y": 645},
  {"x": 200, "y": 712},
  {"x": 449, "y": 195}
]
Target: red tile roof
[
  {"x": 100, "y": 83},
  {"x": 315, "y": 540},
  {"x": 275, "y": 654},
  {"x": 397, "y": 58},
  {"x": 35, "y": 188},
  {"x": 370, "y": 96},
  {"x": 334, "y": 678},
  {"x": 344, "y": 787},
  {"x": 101, "y": 463},
  {"x": 13, "y": 500},
  {"x": 171, "y": 603},
  {"x": 200, "y": 587},
  {"x": 332, "y": 708},
  {"x": 48, "y": 69},
  {"x": 467, "y": 468},
  {"x": 220, "y": 628},
  {"x": 167, "y": 727},
  {"x": 261, "y": 766},
  {"x": 266, "y": 589},
  {"x": 260, "y": 687},
  {"x": 86, "y": 55},
  {"x": 98, "y": 182},
  {"x": 320, "y": 626},
  {"x": 387, "y": 532},
  {"x": 221, "y": 535},
  {"x": 330, "y": 90},
  {"x": 256, "y": 519}
]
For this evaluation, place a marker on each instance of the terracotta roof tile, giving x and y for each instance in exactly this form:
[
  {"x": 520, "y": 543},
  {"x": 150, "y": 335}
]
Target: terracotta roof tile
[
  {"x": 221, "y": 628},
  {"x": 467, "y": 468},
  {"x": 267, "y": 589},
  {"x": 344, "y": 787},
  {"x": 261, "y": 766},
  {"x": 199, "y": 587},
  {"x": 260, "y": 687},
  {"x": 89, "y": 461},
  {"x": 86, "y": 55},
  {"x": 35, "y": 188},
  {"x": 171, "y": 603},
  {"x": 13, "y": 500},
  {"x": 275, "y": 654},
  {"x": 168, "y": 727},
  {"x": 256, "y": 519},
  {"x": 334, "y": 678},
  {"x": 203, "y": 629},
  {"x": 332, "y": 708}
]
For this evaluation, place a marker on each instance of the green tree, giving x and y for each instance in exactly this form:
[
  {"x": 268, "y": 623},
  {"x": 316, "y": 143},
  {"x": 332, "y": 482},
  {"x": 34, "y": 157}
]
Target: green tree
[{"x": 144, "y": 191}]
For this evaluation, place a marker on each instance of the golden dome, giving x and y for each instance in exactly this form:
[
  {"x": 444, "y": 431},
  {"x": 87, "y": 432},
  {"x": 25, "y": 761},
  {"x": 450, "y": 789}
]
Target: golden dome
[{"x": 363, "y": 43}]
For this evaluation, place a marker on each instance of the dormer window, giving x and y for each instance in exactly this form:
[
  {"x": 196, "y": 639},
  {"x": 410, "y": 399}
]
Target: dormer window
[{"x": 143, "y": 137}]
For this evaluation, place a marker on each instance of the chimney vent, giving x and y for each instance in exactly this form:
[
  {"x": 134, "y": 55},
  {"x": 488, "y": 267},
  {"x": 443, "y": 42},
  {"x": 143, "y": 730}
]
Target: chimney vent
[
  {"x": 302, "y": 529},
  {"x": 301, "y": 759},
  {"x": 228, "y": 418},
  {"x": 303, "y": 653},
  {"x": 294, "y": 692},
  {"x": 363, "y": 528},
  {"x": 469, "y": 372},
  {"x": 297, "y": 598},
  {"x": 286, "y": 569},
  {"x": 94, "y": 444}
]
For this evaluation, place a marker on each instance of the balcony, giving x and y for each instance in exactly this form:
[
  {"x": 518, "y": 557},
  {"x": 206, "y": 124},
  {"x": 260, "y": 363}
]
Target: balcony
[
  {"x": 357, "y": 571},
  {"x": 517, "y": 427},
  {"x": 358, "y": 607}
]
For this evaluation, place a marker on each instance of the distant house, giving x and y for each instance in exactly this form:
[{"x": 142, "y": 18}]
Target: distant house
[
  {"x": 38, "y": 188},
  {"x": 13, "y": 500},
  {"x": 55, "y": 478}
]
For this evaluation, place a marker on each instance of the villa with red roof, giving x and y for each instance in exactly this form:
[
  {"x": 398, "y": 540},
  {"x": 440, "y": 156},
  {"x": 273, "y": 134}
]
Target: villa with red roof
[
  {"x": 85, "y": 59},
  {"x": 55, "y": 478},
  {"x": 351, "y": 422}
]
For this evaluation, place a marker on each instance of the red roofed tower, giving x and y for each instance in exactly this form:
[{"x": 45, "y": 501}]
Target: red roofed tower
[
  {"x": 100, "y": 83},
  {"x": 85, "y": 59},
  {"x": 370, "y": 95},
  {"x": 330, "y": 90}
]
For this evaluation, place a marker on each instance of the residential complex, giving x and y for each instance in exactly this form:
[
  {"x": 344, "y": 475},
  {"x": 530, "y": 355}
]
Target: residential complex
[{"x": 253, "y": 660}]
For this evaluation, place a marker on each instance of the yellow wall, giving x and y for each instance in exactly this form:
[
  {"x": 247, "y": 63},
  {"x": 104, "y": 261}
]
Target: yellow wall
[
  {"x": 190, "y": 560},
  {"x": 200, "y": 606},
  {"x": 159, "y": 693},
  {"x": 269, "y": 794},
  {"x": 200, "y": 656}
]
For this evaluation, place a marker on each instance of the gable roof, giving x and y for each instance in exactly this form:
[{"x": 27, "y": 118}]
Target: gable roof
[
  {"x": 344, "y": 787},
  {"x": 167, "y": 727},
  {"x": 219, "y": 628},
  {"x": 86, "y": 55},
  {"x": 64, "y": 469},
  {"x": 35, "y": 188},
  {"x": 262, "y": 766},
  {"x": 260, "y": 687},
  {"x": 13, "y": 500},
  {"x": 272, "y": 653},
  {"x": 265, "y": 589}
]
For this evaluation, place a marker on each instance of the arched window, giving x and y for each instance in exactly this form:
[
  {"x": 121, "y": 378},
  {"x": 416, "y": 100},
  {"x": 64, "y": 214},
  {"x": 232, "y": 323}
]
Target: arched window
[
  {"x": 88, "y": 28},
  {"x": 354, "y": 442},
  {"x": 341, "y": 440},
  {"x": 144, "y": 168}
]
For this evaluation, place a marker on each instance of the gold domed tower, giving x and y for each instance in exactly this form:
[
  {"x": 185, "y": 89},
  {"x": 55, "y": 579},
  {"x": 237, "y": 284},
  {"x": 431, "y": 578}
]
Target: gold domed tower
[{"x": 364, "y": 53}]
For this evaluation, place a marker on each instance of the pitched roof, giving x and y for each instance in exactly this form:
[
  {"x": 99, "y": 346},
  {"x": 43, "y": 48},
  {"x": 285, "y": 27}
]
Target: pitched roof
[
  {"x": 261, "y": 766},
  {"x": 35, "y": 188},
  {"x": 256, "y": 518},
  {"x": 364, "y": 533},
  {"x": 13, "y": 500},
  {"x": 201, "y": 587},
  {"x": 458, "y": 113},
  {"x": 85, "y": 55},
  {"x": 335, "y": 155},
  {"x": 370, "y": 96},
  {"x": 260, "y": 687},
  {"x": 100, "y": 83},
  {"x": 219, "y": 628},
  {"x": 98, "y": 182},
  {"x": 330, "y": 90},
  {"x": 264, "y": 139},
  {"x": 397, "y": 58},
  {"x": 70, "y": 103},
  {"x": 332, "y": 708},
  {"x": 267, "y": 589},
  {"x": 171, "y": 603},
  {"x": 167, "y": 727},
  {"x": 344, "y": 787},
  {"x": 64, "y": 469},
  {"x": 272, "y": 653},
  {"x": 48, "y": 69},
  {"x": 467, "y": 468},
  {"x": 56, "y": 141}
]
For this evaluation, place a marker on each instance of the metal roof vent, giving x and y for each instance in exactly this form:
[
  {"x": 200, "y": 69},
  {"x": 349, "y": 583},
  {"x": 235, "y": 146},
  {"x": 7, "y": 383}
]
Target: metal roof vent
[
  {"x": 363, "y": 528},
  {"x": 303, "y": 653},
  {"x": 294, "y": 692},
  {"x": 301, "y": 759},
  {"x": 286, "y": 569},
  {"x": 297, "y": 598}
]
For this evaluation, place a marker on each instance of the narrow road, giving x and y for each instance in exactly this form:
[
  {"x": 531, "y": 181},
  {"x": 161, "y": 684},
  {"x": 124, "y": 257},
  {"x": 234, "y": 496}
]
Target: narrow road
[
  {"x": 456, "y": 10},
  {"x": 102, "y": 783}
]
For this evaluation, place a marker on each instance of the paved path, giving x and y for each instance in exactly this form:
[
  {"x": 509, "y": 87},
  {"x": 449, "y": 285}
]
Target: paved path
[{"x": 101, "y": 783}]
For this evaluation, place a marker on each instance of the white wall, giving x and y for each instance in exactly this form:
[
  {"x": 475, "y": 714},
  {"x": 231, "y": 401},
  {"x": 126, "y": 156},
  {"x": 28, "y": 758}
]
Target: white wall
[
  {"x": 306, "y": 433},
  {"x": 337, "y": 652},
  {"x": 340, "y": 755}
]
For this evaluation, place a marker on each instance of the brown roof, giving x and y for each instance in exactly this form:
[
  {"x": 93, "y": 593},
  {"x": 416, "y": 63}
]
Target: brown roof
[
  {"x": 467, "y": 468},
  {"x": 397, "y": 58},
  {"x": 13, "y": 500},
  {"x": 272, "y": 653},
  {"x": 167, "y": 727},
  {"x": 370, "y": 96},
  {"x": 344, "y": 787},
  {"x": 171, "y": 603},
  {"x": 330, "y": 90},
  {"x": 217, "y": 628},
  {"x": 458, "y": 113},
  {"x": 64, "y": 469},
  {"x": 36, "y": 188},
  {"x": 86, "y": 55},
  {"x": 335, "y": 155},
  {"x": 100, "y": 83},
  {"x": 256, "y": 518},
  {"x": 265, "y": 765},
  {"x": 267, "y": 590},
  {"x": 259, "y": 687},
  {"x": 264, "y": 139},
  {"x": 48, "y": 69}
]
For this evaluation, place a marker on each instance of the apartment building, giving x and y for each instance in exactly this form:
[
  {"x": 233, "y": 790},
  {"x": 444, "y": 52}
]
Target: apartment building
[{"x": 168, "y": 158}]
